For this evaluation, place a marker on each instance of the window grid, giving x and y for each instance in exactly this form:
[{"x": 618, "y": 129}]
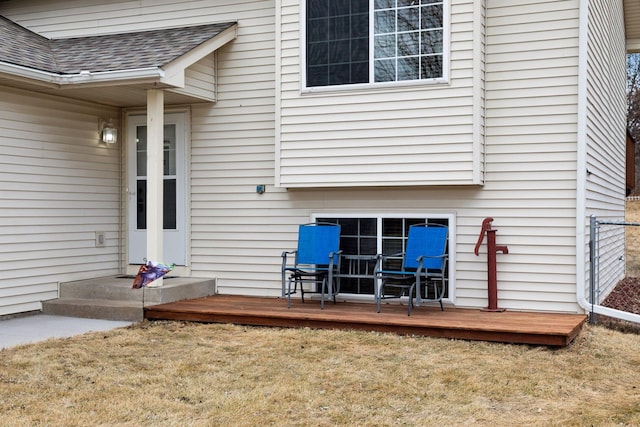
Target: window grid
[
  {"x": 356, "y": 238},
  {"x": 407, "y": 40},
  {"x": 362, "y": 41}
]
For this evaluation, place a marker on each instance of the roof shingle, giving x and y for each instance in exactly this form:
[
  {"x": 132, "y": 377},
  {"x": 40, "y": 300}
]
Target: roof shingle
[{"x": 113, "y": 52}]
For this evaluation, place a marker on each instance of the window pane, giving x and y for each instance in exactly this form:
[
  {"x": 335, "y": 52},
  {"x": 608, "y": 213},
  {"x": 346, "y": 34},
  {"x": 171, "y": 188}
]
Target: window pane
[
  {"x": 141, "y": 204},
  {"x": 169, "y": 199},
  {"x": 337, "y": 42},
  {"x": 360, "y": 25},
  {"x": 141, "y": 151},
  {"x": 408, "y": 19},
  {"x": 385, "y": 70},
  {"x": 368, "y": 246},
  {"x": 392, "y": 246},
  {"x": 360, "y": 6},
  {"x": 348, "y": 226},
  {"x": 169, "y": 156},
  {"x": 360, "y": 51},
  {"x": 385, "y": 21},
  {"x": 360, "y": 72},
  {"x": 317, "y": 9},
  {"x": 368, "y": 226},
  {"x": 339, "y": 28},
  {"x": 339, "y": 52},
  {"x": 408, "y": 68},
  {"x": 409, "y": 44},
  {"x": 318, "y": 53},
  {"x": 363, "y": 239},
  {"x": 392, "y": 227},
  {"x": 349, "y": 245},
  {"x": 317, "y": 30},
  {"x": 339, "y": 74},
  {"x": 385, "y": 46},
  {"x": 431, "y": 67},
  {"x": 431, "y": 16},
  {"x": 384, "y": 4},
  {"x": 412, "y": 17},
  {"x": 318, "y": 76},
  {"x": 169, "y": 202},
  {"x": 431, "y": 42}
]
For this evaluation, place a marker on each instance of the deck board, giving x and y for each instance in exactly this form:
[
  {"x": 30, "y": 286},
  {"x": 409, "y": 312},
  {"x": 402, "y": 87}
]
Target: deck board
[{"x": 550, "y": 329}]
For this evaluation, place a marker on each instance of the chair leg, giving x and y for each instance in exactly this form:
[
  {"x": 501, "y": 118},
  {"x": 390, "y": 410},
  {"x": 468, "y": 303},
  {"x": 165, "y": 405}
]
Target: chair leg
[
  {"x": 412, "y": 289},
  {"x": 335, "y": 290}
]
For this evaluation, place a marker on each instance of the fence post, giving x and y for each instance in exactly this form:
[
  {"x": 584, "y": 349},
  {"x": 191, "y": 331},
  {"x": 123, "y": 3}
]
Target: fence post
[{"x": 592, "y": 266}]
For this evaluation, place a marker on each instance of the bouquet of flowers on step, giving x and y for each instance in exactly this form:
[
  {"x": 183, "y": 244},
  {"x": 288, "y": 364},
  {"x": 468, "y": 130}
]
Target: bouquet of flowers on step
[{"x": 150, "y": 272}]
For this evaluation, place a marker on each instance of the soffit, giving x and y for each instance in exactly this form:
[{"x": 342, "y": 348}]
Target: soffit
[{"x": 632, "y": 24}]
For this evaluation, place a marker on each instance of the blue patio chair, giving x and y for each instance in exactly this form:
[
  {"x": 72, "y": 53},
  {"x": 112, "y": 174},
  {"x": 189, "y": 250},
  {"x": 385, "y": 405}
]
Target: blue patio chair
[
  {"x": 317, "y": 259},
  {"x": 423, "y": 263}
]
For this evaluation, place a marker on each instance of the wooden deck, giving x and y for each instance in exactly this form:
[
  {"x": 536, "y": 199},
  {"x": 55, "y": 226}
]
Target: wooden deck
[{"x": 549, "y": 329}]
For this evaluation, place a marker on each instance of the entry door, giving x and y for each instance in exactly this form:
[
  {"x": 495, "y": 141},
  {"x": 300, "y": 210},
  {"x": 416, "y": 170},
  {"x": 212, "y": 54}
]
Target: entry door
[{"x": 174, "y": 234}]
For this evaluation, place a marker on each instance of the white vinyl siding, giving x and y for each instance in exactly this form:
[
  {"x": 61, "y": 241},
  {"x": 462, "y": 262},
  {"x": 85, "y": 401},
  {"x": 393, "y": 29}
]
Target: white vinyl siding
[
  {"x": 200, "y": 80},
  {"x": 531, "y": 132},
  {"x": 232, "y": 141},
  {"x": 606, "y": 131},
  {"x": 263, "y": 131},
  {"x": 414, "y": 135},
  {"x": 58, "y": 186}
]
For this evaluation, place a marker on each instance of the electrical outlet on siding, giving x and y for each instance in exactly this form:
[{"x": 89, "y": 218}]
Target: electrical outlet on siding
[{"x": 101, "y": 239}]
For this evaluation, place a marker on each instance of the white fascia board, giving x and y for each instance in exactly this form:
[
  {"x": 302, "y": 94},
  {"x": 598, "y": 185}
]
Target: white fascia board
[
  {"x": 111, "y": 78},
  {"x": 174, "y": 70},
  {"x": 24, "y": 74},
  {"x": 84, "y": 78}
]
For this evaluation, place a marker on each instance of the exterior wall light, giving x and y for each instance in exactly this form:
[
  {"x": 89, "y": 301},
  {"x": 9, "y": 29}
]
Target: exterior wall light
[{"x": 108, "y": 132}]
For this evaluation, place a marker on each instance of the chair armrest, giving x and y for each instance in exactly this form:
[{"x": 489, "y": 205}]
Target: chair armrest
[
  {"x": 380, "y": 259},
  {"x": 333, "y": 256},
  {"x": 421, "y": 259},
  {"x": 284, "y": 257}
]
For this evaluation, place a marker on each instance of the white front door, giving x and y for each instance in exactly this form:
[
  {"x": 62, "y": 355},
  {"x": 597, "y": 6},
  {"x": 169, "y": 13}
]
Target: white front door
[{"x": 174, "y": 209}]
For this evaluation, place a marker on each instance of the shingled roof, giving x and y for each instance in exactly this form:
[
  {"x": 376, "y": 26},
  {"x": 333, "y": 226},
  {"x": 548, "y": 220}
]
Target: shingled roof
[{"x": 113, "y": 52}]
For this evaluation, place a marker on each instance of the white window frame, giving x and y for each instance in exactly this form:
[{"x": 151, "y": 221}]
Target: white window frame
[
  {"x": 450, "y": 217},
  {"x": 446, "y": 57}
]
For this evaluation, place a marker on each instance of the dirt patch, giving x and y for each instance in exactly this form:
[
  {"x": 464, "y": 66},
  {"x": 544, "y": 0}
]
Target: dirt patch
[{"x": 625, "y": 297}]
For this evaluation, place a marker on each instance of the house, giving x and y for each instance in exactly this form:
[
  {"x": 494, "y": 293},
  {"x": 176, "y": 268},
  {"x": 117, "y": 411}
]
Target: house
[{"x": 245, "y": 118}]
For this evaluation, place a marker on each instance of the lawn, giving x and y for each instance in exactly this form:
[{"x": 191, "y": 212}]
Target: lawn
[{"x": 187, "y": 374}]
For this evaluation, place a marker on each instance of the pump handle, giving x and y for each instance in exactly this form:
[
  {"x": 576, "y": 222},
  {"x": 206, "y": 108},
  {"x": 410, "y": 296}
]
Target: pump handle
[{"x": 486, "y": 226}]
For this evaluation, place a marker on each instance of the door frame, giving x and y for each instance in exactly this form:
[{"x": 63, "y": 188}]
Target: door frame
[{"x": 182, "y": 173}]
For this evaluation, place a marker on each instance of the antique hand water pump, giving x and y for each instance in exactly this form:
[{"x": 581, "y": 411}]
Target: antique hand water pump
[{"x": 492, "y": 250}]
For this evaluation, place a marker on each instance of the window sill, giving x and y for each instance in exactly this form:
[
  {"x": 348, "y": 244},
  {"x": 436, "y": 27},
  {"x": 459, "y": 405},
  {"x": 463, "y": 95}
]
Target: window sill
[{"x": 374, "y": 87}]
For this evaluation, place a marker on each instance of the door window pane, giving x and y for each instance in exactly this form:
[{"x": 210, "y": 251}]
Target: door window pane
[
  {"x": 169, "y": 202},
  {"x": 169, "y": 185}
]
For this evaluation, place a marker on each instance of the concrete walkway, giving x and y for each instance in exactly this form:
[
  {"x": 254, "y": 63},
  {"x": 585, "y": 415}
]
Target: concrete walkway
[{"x": 40, "y": 327}]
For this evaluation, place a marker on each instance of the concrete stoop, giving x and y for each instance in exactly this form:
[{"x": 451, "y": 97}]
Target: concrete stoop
[{"x": 112, "y": 298}]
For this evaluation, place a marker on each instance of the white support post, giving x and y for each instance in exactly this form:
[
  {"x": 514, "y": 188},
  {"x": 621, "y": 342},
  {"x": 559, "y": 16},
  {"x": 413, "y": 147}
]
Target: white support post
[{"x": 155, "y": 176}]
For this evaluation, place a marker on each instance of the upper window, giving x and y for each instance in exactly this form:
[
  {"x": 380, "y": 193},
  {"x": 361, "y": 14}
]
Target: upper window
[{"x": 373, "y": 41}]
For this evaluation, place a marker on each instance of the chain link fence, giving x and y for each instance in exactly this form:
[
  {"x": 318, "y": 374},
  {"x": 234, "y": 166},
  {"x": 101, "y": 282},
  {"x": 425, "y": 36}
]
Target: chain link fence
[{"x": 615, "y": 267}]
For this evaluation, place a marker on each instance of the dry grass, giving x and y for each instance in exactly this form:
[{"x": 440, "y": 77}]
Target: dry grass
[{"x": 182, "y": 374}]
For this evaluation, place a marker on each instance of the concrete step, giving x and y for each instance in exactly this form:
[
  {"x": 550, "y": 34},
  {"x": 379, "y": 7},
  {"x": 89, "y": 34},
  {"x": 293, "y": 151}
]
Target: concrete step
[
  {"x": 94, "y": 309},
  {"x": 112, "y": 298},
  {"x": 119, "y": 289}
]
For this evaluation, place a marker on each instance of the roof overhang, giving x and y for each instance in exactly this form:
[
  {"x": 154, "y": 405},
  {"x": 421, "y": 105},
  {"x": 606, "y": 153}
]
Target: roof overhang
[
  {"x": 122, "y": 88},
  {"x": 632, "y": 25}
]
